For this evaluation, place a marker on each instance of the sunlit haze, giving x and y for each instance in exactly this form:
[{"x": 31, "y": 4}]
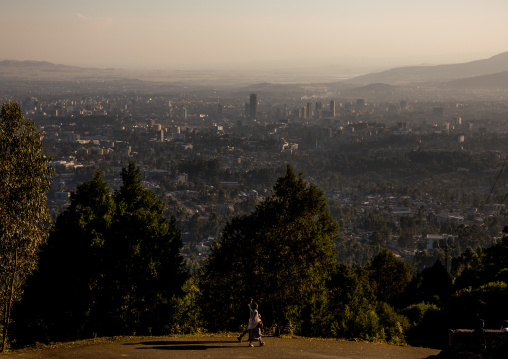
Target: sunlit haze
[{"x": 205, "y": 34}]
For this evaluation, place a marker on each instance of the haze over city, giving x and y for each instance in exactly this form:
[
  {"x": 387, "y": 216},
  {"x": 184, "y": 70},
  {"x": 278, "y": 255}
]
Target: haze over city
[
  {"x": 338, "y": 168},
  {"x": 365, "y": 35}
]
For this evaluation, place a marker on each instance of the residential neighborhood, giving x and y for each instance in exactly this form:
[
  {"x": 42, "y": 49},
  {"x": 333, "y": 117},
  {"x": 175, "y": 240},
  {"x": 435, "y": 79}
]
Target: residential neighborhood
[{"x": 211, "y": 159}]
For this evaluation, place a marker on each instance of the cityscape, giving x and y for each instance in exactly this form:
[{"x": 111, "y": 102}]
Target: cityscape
[
  {"x": 336, "y": 170},
  {"x": 213, "y": 153}
]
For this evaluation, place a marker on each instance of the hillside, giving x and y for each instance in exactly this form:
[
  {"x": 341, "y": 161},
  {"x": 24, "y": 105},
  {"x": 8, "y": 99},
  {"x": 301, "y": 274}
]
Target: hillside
[
  {"x": 42, "y": 71},
  {"x": 492, "y": 81},
  {"x": 46, "y": 71},
  {"x": 437, "y": 73},
  {"x": 415, "y": 81}
]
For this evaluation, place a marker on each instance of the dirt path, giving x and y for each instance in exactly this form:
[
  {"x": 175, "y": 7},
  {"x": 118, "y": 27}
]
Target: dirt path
[{"x": 224, "y": 348}]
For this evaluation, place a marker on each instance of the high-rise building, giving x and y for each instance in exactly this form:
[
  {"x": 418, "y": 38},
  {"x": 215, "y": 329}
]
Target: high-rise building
[
  {"x": 319, "y": 110},
  {"x": 253, "y": 105},
  {"x": 309, "y": 109},
  {"x": 219, "y": 111},
  {"x": 183, "y": 113},
  {"x": 332, "y": 108}
]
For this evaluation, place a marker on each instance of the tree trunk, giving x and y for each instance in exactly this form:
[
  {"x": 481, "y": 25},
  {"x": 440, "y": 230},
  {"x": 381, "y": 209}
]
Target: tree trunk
[{"x": 8, "y": 303}]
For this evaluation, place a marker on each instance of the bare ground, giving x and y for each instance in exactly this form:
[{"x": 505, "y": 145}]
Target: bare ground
[{"x": 221, "y": 347}]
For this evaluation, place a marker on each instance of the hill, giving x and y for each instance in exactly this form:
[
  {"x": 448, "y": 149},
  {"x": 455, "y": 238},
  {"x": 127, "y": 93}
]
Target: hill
[
  {"x": 42, "y": 71},
  {"x": 46, "y": 71},
  {"x": 437, "y": 73},
  {"x": 493, "y": 81}
]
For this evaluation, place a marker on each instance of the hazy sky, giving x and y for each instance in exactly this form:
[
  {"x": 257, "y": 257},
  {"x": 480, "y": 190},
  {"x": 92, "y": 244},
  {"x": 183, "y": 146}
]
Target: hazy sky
[{"x": 171, "y": 34}]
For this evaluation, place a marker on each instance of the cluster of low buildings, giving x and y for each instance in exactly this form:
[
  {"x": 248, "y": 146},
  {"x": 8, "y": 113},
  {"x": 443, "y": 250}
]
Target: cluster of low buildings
[{"x": 253, "y": 134}]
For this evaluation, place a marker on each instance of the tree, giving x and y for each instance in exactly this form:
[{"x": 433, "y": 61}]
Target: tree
[
  {"x": 432, "y": 285},
  {"x": 389, "y": 276},
  {"x": 466, "y": 267},
  {"x": 24, "y": 218},
  {"x": 280, "y": 254},
  {"x": 146, "y": 268},
  {"x": 118, "y": 266},
  {"x": 352, "y": 303},
  {"x": 63, "y": 299}
]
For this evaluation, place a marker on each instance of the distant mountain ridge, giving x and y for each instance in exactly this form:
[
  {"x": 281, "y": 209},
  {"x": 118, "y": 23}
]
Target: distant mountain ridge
[
  {"x": 498, "y": 80},
  {"x": 491, "y": 73},
  {"x": 437, "y": 73},
  {"x": 47, "y": 71},
  {"x": 43, "y": 71}
]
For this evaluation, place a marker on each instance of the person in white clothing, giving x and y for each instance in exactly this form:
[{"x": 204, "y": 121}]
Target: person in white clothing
[
  {"x": 255, "y": 325},
  {"x": 504, "y": 326},
  {"x": 247, "y": 330}
]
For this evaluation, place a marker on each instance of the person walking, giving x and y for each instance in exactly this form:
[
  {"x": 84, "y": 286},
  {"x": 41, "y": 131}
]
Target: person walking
[
  {"x": 247, "y": 330},
  {"x": 504, "y": 326},
  {"x": 479, "y": 335},
  {"x": 255, "y": 326}
]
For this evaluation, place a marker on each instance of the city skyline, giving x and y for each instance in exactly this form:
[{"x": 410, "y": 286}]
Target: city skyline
[{"x": 199, "y": 34}]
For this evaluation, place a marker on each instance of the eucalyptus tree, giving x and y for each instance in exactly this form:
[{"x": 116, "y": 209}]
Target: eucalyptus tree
[{"x": 25, "y": 179}]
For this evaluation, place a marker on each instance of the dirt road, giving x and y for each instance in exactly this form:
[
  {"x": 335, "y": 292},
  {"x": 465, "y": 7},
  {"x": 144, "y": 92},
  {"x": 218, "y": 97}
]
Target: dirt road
[{"x": 223, "y": 348}]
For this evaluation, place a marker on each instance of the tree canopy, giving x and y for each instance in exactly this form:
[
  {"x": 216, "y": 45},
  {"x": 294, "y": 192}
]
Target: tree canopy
[
  {"x": 389, "y": 276},
  {"x": 111, "y": 266},
  {"x": 280, "y": 254}
]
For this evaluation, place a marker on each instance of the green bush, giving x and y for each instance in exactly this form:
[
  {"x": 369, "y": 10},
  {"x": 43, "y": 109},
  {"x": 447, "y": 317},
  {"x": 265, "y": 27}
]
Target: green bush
[
  {"x": 392, "y": 326},
  {"x": 487, "y": 302},
  {"x": 426, "y": 325},
  {"x": 416, "y": 312}
]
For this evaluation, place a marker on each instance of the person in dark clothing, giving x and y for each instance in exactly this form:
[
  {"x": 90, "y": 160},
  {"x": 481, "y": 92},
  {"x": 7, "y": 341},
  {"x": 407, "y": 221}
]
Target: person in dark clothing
[
  {"x": 479, "y": 335},
  {"x": 246, "y": 330}
]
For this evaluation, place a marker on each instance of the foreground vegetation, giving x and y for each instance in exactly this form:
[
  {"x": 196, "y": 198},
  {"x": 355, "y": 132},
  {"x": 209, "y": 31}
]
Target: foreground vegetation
[{"x": 111, "y": 266}]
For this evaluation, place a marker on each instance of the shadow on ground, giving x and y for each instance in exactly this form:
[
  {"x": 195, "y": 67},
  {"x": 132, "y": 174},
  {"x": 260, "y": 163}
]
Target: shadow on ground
[{"x": 185, "y": 344}]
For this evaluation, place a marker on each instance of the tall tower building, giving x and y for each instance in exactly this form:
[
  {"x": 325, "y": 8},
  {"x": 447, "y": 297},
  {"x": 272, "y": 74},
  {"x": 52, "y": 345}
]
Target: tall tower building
[
  {"x": 319, "y": 110},
  {"x": 219, "y": 111},
  {"x": 183, "y": 113},
  {"x": 309, "y": 109},
  {"x": 332, "y": 108},
  {"x": 253, "y": 105}
]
